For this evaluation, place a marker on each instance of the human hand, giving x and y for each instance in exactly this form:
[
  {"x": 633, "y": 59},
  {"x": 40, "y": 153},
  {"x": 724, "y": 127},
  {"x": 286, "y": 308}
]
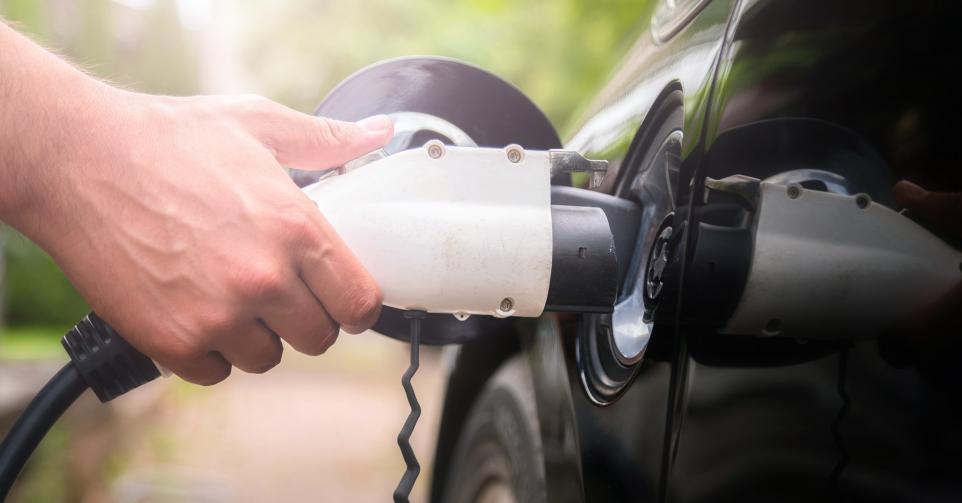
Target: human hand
[
  {"x": 930, "y": 337},
  {"x": 175, "y": 220},
  {"x": 942, "y": 211}
]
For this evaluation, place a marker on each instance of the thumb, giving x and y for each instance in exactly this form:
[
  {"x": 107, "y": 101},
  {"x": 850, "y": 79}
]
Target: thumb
[
  {"x": 944, "y": 209},
  {"x": 307, "y": 142}
]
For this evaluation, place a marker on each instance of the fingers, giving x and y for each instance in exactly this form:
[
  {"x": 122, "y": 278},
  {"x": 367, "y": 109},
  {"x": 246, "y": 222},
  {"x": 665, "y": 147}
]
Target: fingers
[
  {"x": 255, "y": 349},
  {"x": 336, "y": 278},
  {"x": 205, "y": 370},
  {"x": 309, "y": 142},
  {"x": 943, "y": 209},
  {"x": 299, "y": 319}
]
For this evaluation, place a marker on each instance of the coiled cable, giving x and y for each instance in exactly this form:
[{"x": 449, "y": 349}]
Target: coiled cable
[{"x": 403, "y": 491}]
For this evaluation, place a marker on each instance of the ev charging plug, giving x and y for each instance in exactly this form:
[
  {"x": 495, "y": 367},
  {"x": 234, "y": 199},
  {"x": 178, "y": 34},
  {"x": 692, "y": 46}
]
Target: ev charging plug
[
  {"x": 459, "y": 230},
  {"x": 466, "y": 230}
]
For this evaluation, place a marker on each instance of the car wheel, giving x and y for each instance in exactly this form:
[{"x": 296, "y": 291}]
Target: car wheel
[{"x": 498, "y": 458}]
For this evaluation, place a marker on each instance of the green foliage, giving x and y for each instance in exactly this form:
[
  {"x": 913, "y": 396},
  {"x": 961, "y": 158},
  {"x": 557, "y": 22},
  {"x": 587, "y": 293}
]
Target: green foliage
[
  {"x": 557, "y": 52},
  {"x": 29, "y": 14},
  {"x": 164, "y": 59},
  {"x": 144, "y": 49},
  {"x": 36, "y": 292},
  {"x": 31, "y": 343}
]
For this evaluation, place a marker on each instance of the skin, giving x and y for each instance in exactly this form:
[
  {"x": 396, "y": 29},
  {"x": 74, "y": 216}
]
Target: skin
[
  {"x": 173, "y": 216},
  {"x": 929, "y": 338},
  {"x": 942, "y": 211}
]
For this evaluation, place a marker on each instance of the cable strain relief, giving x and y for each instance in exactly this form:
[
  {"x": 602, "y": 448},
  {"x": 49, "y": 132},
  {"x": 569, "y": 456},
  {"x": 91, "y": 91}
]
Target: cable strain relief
[{"x": 105, "y": 361}]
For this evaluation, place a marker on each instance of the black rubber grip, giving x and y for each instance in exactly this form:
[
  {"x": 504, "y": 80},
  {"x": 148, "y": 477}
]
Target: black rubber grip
[{"x": 105, "y": 361}]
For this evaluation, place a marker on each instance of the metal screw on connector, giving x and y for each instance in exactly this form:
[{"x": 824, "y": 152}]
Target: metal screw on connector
[
  {"x": 862, "y": 200},
  {"x": 514, "y": 153},
  {"x": 506, "y": 305},
  {"x": 435, "y": 149},
  {"x": 794, "y": 191}
]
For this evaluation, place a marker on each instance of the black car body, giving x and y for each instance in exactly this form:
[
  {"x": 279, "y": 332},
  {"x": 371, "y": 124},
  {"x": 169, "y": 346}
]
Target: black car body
[{"x": 864, "y": 89}]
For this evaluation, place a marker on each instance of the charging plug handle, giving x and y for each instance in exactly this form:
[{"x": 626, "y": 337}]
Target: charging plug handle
[{"x": 105, "y": 361}]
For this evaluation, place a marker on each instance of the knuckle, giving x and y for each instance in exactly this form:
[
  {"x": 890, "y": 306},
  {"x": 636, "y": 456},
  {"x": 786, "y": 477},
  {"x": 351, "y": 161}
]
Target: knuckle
[
  {"x": 330, "y": 132},
  {"x": 215, "y": 322},
  {"x": 184, "y": 348},
  {"x": 297, "y": 224},
  {"x": 258, "y": 280}
]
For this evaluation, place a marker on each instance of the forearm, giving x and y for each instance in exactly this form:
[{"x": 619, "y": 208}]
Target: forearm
[{"x": 47, "y": 109}]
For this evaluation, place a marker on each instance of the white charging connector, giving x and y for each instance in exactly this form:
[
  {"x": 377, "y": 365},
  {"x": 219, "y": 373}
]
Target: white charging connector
[{"x": 462, "y": 230}]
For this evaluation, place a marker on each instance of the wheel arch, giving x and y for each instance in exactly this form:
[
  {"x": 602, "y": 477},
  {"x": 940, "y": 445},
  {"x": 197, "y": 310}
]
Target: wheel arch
[{"x": 475, "y": 362}]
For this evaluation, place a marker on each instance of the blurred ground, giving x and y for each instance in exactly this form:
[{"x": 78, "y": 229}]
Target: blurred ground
[{"x": 312, "y": 429}]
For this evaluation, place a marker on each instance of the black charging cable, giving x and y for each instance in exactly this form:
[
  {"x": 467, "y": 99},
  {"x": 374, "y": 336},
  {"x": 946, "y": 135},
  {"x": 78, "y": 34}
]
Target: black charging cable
[
  {"x": 100, "y": 360},
  {"x": 103, "y": 361}
]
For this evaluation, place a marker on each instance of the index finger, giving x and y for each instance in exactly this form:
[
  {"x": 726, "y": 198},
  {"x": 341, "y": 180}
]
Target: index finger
[{"x": 944, "y": 209}]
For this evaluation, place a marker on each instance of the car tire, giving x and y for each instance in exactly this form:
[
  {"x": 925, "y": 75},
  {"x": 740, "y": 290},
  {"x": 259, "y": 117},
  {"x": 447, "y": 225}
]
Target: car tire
[{"x": 499, "y": 458}]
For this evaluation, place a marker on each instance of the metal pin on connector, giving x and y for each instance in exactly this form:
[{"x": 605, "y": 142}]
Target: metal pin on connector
[{"x": 569, "y": 161}]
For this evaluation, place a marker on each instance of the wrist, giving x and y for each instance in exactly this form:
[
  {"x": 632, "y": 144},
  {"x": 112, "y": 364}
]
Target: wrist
[{"x": 70, "y": 143}]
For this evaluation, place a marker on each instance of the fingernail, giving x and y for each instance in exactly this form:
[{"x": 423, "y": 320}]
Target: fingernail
[{"x": 376, "y": 124}]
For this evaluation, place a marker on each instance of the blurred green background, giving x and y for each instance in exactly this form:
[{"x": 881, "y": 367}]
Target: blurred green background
[{"x": 295, "y": 51}]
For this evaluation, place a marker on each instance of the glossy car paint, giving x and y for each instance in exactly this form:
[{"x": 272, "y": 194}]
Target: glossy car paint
[
  {"x": 866, "y": 89},
  {"x": 614, "y": 453}
]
